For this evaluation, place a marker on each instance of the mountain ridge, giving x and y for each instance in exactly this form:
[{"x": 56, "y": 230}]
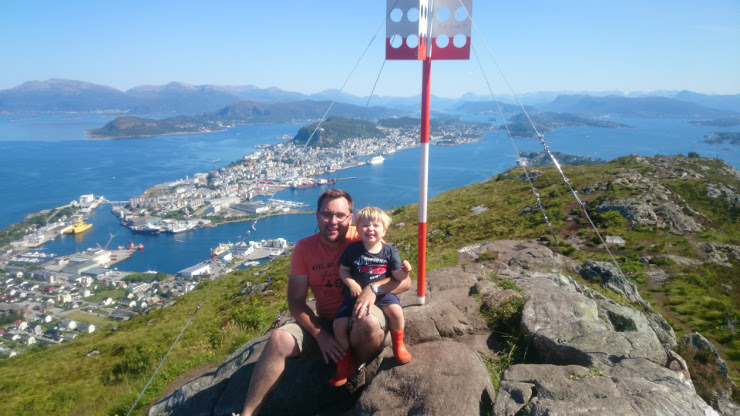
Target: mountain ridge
[{"x": 182, "y": 98}]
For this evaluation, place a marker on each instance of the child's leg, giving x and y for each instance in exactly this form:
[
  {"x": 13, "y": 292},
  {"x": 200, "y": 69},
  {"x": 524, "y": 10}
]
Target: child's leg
[
  {"x": 341, "y": 332},
  {"x": 345, "y": 366},
  {"x": 394, "y": 313},
  {"x": 396, "y": 323}
]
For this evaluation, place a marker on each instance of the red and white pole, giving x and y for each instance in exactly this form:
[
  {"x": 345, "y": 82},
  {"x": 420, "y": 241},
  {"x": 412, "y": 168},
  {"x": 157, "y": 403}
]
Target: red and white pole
[
  {"x": 413, "y": 30},
  {"x": 423, "y": 181}
]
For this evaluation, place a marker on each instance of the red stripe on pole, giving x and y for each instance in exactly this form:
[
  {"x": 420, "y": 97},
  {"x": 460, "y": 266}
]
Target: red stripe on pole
[
  {"x": 423, "y": 179},
  {"x": 422, "y": 263}
]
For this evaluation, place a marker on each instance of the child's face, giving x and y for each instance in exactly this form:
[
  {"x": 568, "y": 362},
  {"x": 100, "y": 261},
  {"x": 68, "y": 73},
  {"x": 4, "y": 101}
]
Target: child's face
[{"x": 372, "y": 231}]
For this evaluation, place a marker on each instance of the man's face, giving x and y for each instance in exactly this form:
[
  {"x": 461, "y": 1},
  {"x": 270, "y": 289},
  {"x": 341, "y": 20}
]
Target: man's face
[{"x": 334, "y": 219}]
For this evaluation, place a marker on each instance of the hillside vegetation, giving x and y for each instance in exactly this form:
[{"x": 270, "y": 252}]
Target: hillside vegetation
[{"x": 683, "y": 257}]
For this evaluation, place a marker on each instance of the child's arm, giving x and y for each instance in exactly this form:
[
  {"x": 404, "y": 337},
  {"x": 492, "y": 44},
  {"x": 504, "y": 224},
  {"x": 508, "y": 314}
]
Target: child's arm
[
  {"x": 346, "y": 275},
  {"x": 402, "y": 273}
]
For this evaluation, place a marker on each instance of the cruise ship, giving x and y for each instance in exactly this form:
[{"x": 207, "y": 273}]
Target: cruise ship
[
  {"x": 79, "y": 226},
  {"x": 376, "y": 160}
]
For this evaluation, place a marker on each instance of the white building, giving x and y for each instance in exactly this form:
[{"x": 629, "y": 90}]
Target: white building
[
  {"x": 197, "y": 270},
  {"x": 67, "y": 324}
]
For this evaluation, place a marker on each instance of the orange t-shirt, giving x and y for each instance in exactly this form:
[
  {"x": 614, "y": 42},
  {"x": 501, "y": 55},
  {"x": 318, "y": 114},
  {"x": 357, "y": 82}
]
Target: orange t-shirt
[{"x": 321, "y": 264}]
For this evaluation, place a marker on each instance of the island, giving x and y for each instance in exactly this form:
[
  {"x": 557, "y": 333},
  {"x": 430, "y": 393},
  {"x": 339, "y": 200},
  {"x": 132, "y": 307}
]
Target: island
[
  {"x": 723, "y": 137},
  {"x": 545, "y": 122}
]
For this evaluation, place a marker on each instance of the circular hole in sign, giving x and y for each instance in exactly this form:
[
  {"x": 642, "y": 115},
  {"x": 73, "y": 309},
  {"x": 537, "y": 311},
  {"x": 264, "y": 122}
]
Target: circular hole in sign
[
  {"x": 412, "y": 41},
  {"x": 443, "y": 41},
  {"x": 459, "y": 40},
  {"x": 443, "y": 14},
  {"x": 413, "y": 15},
  {"x": 460, "y": 14},
  {"x": 396, "y": 41},
  {"x": 396, "y": 15}
]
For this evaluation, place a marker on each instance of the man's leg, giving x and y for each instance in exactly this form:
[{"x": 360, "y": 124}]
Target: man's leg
[
  {"x": 366, "y": 336},
  {"x": 269, "y": 368}
]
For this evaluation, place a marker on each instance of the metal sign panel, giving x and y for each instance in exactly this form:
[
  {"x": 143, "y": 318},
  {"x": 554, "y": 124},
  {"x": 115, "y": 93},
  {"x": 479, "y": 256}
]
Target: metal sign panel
[{"x": 417, "y": 29}]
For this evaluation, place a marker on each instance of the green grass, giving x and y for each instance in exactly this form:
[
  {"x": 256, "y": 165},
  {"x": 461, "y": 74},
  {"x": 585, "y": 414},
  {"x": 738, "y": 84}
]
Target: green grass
[
  {"x": 63, "y": 380},
  {"x": 99, "y": 321}
]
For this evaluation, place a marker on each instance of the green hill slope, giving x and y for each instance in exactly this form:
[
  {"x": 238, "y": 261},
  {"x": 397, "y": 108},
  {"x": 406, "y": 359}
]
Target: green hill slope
[{"x": 700, "y": 294}]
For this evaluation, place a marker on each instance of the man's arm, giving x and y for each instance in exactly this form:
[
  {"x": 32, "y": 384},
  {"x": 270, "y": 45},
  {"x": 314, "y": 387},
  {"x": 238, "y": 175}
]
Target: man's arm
[
  {"x": 367, "y": 298},
  {"x": 306, "y": 318}
]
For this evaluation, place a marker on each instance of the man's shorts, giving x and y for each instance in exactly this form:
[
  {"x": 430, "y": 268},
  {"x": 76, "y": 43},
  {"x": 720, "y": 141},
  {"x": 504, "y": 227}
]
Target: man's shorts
[
  {"x": 307, "y": 343},
  {"x": 345, "y": 311}
]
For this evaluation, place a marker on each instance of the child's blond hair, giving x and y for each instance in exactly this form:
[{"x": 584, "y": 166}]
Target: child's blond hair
[{"x": 368, "y": 214}]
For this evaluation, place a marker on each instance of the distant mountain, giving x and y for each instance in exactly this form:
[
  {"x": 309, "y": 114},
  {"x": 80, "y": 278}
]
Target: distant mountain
[
  {"x": 63, "y": 95},
  {"x": 722, "y": 102},
  {"x": 179, "y": 98},
  {"x": 335, "y": 130},
  {"x": 639, "y": 107},
  {"x": 242, "y": 112}
]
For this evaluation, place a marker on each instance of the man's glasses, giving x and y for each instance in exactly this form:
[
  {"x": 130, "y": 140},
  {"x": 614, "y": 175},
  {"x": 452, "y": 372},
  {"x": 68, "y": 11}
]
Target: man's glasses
[{"x": 327, "y": 216}]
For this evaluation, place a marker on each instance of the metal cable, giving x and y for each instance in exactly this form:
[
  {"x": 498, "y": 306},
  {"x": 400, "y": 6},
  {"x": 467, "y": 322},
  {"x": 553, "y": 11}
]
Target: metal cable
[
  {"x": 257, "y": 219},
  {"x": 197, "y": 308},
  {"x": 581, "y": 204}
]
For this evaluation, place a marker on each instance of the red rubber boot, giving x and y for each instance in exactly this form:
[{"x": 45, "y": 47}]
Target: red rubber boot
[
  {"x": 345, "y": 369},
  {"x": 399, "y": 349}
]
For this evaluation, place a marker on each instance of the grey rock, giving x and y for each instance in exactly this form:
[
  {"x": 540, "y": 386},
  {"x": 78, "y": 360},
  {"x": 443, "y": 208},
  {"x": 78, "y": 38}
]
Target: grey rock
[
  {"x": 597, "y": 356},
  {"x": 731, "y": 195},
  {"x": 596, "y": 186},
  {"x": 673, "y": 216},
  {"x": 568, "y": 390},
  {"x": 719, "y": 253},
  {"x": 639, "y": 212},
  {"x": 454, "y": 382},
  {"x": 699, "y": 342}
]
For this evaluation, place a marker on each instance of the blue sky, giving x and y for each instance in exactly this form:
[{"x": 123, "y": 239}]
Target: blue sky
[{"x": 310, "y": 46}]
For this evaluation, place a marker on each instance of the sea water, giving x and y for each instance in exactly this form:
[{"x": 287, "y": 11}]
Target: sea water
[{"x": 45, "y": 162}]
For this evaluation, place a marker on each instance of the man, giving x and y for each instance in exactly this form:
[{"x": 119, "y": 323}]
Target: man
[{"x": 315, "y": 264}]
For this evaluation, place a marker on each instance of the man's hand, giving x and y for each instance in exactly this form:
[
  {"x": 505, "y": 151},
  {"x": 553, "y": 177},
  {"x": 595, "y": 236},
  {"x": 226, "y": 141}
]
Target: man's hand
[
  {"x": 330, "y": 347},
  {"x": 364, "y": 302}
]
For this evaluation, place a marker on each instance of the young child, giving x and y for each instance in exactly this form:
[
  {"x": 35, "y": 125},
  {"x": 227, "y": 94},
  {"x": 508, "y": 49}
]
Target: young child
[{"x": 362, "y": 263}]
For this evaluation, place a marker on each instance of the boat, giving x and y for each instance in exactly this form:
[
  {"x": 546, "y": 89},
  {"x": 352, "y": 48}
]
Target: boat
[
  {"x": 222, "y": 248},
  {"x": 313, "y": 184},
  {"x": 179, "y": 227},
  {"x": 147, "y": 229},
  {"x": 376, "y": 160},
  {"x": 132, "y": 246},
  {"x": 77, "y": 227}
]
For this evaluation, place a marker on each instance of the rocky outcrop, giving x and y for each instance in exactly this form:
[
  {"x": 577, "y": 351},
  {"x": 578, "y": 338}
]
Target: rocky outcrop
[
  {"x": 638, "y": 212},
  {"x": 731, "y": 195},
  {"x": 592, "y": 354}
]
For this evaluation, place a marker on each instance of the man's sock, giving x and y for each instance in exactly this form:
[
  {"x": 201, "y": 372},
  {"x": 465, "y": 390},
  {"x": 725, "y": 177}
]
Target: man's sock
[
  {"x": 399, "y": 349},
  {"x": 345, "y": 368}
]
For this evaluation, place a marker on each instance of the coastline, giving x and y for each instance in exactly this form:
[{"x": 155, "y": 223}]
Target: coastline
[{"x": 144, "y": 136}]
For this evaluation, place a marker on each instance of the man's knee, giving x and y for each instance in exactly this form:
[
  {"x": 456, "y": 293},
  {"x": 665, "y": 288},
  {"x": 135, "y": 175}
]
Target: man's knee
[
  {"x": 282, "y": 343},
  {"x": 366, "y": 327}
]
